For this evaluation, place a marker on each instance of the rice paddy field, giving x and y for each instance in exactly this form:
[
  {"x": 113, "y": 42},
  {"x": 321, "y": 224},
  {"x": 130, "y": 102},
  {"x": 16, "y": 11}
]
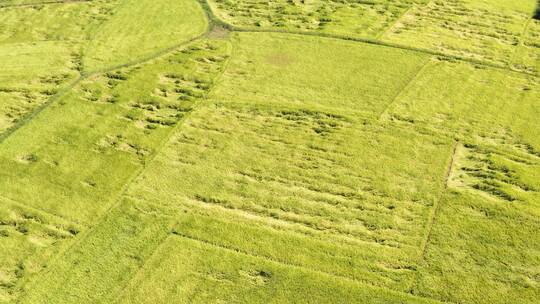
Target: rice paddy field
[{"x": 247, "y": 151}]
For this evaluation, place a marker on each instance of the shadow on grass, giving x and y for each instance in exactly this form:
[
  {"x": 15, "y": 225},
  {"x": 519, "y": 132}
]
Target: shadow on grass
[{"x": 537, "y": 12}]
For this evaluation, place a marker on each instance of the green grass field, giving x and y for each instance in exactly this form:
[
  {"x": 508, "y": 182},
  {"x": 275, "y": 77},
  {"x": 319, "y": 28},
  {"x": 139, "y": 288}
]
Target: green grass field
[{"x": 245, "y": 151}]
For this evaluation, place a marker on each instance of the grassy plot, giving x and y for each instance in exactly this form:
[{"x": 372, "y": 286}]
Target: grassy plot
[
  {"x": 142, "y": 27},
  {"x": 482, "y": 251},
  {"x": 504, "y": 173},
  {"x": 80, "y": 151},
  {"x": 210, "y": 274},
  {"x": 316, "y": 73},
  {"x": 469, "y": 99},
  {"x": 73, "y": 21},
  {"x": 467, "y": 102},
  {"x": 485, "y": 30},
  {"x": 30, "y": 65},
  {"x": 28, "y": 238},
  {"x": 132, "y": 257},
  {"x": 354, "y": 18},
  {"x": 102, "y": 261}
]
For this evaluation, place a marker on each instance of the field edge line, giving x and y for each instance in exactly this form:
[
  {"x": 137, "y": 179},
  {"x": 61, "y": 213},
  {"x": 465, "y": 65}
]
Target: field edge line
[
  {"x": 433, "y": 218},
  {"x": 30, "y": 116}
]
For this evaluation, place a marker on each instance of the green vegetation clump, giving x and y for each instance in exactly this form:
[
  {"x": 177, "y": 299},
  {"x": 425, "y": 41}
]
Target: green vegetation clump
[{"x": 242, "y": 151}]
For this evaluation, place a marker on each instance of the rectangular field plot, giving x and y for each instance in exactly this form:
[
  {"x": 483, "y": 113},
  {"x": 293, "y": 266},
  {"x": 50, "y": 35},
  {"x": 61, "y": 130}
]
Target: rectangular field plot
[
  {"x": 481, "y": 251},
  {"x": 185, "y": 270},
  {"x": 28, "y": 240},
  {"x": 469, "y": 102},
  {"x": 294, "y": 70},
  {"x": 78, "y": 153},
  {"x": 311, "y": 173},
  {"x": 484, "y": 30},
  {"x": 348, "y": 18},
  {"x": 509, "y": 174},
  {"x": 492, "y": 114}
]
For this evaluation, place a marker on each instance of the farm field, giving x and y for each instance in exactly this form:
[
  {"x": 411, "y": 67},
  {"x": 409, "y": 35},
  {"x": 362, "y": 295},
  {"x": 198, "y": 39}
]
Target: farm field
[{"x": 245, "y": 151}]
